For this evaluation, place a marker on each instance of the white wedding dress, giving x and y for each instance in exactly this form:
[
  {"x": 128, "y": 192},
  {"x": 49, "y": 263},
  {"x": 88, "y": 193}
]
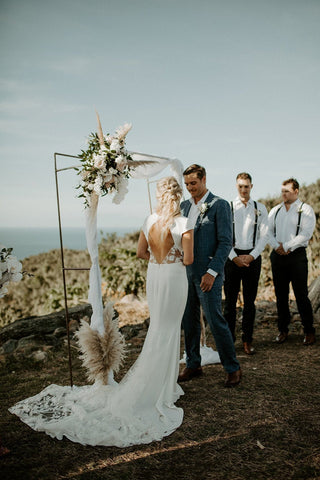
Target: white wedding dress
[{"x": 140, "y": 409}]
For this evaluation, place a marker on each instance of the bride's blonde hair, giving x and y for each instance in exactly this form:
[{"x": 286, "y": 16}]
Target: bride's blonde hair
[{"x": 168, "y": 195}]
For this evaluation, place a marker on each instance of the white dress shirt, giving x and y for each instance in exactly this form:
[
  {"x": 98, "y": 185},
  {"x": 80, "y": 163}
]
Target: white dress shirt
[
  {"x": 195, "y": 209},
  {"x": 286, "y": 225},
  {"x": 244, "y": 220},
  {"x": 193, "y": 216}
]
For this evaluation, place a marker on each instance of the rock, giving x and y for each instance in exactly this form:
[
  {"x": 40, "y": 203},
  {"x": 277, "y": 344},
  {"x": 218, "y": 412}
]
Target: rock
[
  {"x": 130, "y": 298},
  {"x": 39, "y": 356},
  {"x": 130, "y": 331},
  {"x": 44, "y": 324},
  {"x": 73, "y": 326},
  {"x": 8, "y": 347},
  {"x": 32, "y": 342},
  {"x": 51, "y": 339},
  {"x": 60, "y": 332}
]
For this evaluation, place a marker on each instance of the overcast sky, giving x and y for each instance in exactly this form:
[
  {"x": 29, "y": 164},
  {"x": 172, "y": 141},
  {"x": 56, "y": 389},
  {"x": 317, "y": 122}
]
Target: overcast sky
[{"x": 233, "y": 85}]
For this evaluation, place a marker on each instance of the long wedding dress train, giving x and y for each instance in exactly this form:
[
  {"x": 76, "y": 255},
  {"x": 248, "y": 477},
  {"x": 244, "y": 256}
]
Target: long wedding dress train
[{"x": 140, "y": 409}]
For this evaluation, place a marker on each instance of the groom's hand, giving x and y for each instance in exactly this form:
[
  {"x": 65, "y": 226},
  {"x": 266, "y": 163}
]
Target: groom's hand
[{"x": 206, "y": 282}]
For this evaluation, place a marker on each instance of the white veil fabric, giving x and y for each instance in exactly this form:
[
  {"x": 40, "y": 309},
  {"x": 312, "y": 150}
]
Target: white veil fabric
[{"x": 145, "y": 170}]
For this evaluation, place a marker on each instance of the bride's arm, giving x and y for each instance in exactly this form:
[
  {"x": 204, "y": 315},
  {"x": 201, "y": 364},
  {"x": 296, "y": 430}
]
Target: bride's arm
[
  {"x": 142, "y": 248},
  {"x": 187, "y": 246}
]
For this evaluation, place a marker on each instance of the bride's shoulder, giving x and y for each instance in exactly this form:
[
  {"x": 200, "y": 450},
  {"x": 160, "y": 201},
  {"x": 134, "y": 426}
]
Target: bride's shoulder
[
  {"x": 182, "y": 223},
  {"x": 149, "y": 221}
]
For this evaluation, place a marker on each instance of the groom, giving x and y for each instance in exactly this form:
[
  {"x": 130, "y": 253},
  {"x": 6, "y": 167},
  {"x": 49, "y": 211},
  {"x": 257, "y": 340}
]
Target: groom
[{"x": 212, "y": 244}]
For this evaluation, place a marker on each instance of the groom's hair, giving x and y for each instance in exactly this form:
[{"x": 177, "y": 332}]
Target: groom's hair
[{"x": 200, "y": 171}]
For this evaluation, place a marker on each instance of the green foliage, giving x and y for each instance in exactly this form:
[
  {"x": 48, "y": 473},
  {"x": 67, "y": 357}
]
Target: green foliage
[{"x": 121, "y": 271}]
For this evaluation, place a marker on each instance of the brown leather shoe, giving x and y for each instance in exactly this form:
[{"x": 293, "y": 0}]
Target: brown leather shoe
[
  {"x": 248, "y": 348},
  {"x": 309, "y": 339},
  {"x": 282, "y": 337},
  {"x": 233, "y": 379},
  {"x": 189, "y": 373}
]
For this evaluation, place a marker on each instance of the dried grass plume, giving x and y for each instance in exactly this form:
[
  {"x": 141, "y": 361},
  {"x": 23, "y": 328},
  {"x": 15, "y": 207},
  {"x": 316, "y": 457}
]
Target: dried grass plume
[{"x": 101, "y": 353}]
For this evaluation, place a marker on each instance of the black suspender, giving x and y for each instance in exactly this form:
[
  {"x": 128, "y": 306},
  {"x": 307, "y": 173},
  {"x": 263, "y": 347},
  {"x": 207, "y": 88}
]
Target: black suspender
[
  {"x": 299, "y": 218},
  {"x": 298, "y": 224},
  {"x": 255, "y": 224},
  {"x": 274, "y": 225},
  {"x": 233, "y": 232}
]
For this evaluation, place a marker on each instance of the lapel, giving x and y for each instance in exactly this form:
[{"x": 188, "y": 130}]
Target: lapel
[
  {"x": 186, "y": 207},
  {"x": 209, "y": 201}
]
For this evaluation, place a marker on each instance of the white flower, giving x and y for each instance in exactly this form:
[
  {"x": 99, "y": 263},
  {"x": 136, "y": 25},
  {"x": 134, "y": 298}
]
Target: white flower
[
  {"x": 121, "y": 163},
  {"x": 299, "y": 209},
  {"x": 3, "y": 290},
  {"x": 107, "y": 178},
  {"x": 203, "y": 207},
  {"x": 3, "y": 266},
  {"x": 16, "y": 277},
  {"x": 115, "y": 145},
  {"x": 10, "y": 270},
  {"x": 120, "y": 159},
  {"x": 99, "y": 161},
  {"x": 257, "y": 212},
  {"x": 85, "y": 174},
  {"x": 121, "y": 132},
  {"x": 14, "y": 266},
  {"x": 108, "y": 138},
  {"x": 97, "y": 185}
]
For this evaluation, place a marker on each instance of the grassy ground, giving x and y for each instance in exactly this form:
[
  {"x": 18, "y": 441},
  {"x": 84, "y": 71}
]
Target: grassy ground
[{"x": 267, "y": 428}]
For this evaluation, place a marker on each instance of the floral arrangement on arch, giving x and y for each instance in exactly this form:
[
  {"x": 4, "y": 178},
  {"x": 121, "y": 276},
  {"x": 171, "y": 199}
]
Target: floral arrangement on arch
[
  {"x": 10, "y": 269},
  {"x": 105, "y": 165}
]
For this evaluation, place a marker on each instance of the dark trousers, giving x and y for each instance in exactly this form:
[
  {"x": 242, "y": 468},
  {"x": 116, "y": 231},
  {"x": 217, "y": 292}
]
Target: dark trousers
[
  {"x": 292, "y": 268},
  {"x": 211, "y": 304},
  {"x": 249, "y": 276}
]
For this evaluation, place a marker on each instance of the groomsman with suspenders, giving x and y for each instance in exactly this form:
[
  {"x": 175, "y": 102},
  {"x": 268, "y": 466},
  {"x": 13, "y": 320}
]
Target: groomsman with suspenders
[
  {"x": 291, "y": 225},
  {"x": 250, "y": 235}
]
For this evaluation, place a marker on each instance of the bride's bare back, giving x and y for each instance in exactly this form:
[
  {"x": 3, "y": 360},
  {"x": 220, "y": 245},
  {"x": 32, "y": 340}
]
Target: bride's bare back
[{"x": 161, "y": 246}]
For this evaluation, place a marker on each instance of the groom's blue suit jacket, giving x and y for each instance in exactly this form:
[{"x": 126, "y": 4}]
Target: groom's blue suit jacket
[{"x": 212, "y": 236}]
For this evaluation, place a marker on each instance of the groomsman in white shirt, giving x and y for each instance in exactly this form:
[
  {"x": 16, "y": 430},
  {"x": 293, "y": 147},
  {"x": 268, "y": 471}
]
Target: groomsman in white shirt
[
  {"x": 291, "y": 225},
  {"x": 250, "y": 235}
]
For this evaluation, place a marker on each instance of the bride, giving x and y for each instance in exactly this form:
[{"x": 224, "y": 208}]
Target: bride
[{"x": 140, "y": 409}]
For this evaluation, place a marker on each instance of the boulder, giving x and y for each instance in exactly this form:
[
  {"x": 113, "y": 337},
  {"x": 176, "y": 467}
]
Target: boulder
[{"x": 43, "y": 325}]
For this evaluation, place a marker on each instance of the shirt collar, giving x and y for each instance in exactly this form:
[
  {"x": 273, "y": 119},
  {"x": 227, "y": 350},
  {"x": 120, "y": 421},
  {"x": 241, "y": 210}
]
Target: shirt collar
[
  {"x": 238, "y": 201},
  {"x": 297, "y": 203},
  {"x": 202, "y": 200}
]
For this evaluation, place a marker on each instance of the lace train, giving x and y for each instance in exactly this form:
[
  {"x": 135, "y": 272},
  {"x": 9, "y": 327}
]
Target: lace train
[{"x": 138, "y": 410}]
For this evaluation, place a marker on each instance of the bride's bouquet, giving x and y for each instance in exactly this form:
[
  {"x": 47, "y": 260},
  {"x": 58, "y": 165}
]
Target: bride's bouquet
[
  {"x": 105, "y": 165},
  {"x": 10, "y": 269}
]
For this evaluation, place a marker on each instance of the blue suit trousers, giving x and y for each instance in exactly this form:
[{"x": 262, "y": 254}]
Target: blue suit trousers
[{"x": 211, "y": 304}]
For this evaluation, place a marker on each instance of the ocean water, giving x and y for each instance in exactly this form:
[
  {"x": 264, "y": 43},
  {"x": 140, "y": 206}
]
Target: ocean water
[{"x": 32, "y": 241}]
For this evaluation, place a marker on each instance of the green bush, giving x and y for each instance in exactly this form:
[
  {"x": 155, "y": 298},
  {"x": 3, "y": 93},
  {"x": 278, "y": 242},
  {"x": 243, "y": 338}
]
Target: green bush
[{"x": 121, "y": 271}]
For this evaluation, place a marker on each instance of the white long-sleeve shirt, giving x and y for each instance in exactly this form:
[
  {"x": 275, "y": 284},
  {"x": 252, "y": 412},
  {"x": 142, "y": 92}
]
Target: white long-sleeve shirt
[
  {"x": 244, "y": 221},
  {"x": 286, "y": 225}
]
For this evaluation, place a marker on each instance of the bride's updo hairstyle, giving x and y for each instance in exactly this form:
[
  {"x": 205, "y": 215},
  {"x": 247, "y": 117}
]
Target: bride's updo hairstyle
[{"x": 169, "y": 195}]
